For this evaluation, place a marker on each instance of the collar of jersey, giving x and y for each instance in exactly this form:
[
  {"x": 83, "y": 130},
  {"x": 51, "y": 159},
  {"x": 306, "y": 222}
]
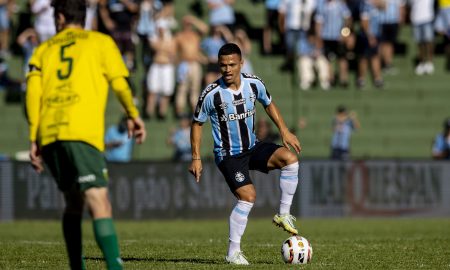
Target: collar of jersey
[{"x": 234, "y": 92}]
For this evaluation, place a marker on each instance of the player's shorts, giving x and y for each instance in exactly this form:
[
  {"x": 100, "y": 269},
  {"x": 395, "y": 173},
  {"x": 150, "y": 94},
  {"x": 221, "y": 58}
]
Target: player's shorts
[
  {"x": 236, "y": 168},
  {"x": 389, "y": 32},
  {"x": 423, "y": 32},
  {"x": 74, "y": 163},
  {"x": 161, "y": 79}
]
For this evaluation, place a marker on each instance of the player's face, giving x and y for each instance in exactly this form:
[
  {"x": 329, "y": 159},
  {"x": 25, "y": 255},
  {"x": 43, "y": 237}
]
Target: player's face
[{"x": 230, "y": 68}]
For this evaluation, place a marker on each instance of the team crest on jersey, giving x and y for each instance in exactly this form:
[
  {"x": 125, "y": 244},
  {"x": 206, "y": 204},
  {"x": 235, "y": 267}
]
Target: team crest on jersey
[
  {"x": 252, "y": 98},
  {"x": 223, "y": 105},
  {"x": 239, "y": 177}
]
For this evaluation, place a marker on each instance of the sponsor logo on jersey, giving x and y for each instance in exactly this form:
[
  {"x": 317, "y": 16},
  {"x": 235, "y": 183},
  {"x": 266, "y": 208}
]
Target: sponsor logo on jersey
[
  {"x": 239, "y": 177},
  {"x": 86, "y": 178},
  {"x": 239, "y": 102},
  {"x": 239, "y": 116},
  {"x": 62, "y": 99}
]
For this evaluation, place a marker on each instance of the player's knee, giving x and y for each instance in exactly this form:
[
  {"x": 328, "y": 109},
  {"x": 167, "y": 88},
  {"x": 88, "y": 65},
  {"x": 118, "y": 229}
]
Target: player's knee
[{"x": 290, "y": 158}]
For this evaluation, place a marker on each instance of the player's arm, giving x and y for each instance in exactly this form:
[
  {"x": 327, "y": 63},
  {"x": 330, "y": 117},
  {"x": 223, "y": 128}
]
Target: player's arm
[
  {"x": 33, "y": 104},
  {"x": 136, "y": 126},
  {"x": 196, "y": 138},
  {"x": 287, "y": 137}
]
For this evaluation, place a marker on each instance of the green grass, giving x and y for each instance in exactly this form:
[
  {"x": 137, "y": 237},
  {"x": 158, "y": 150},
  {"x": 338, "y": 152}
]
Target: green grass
[{"x": 187, "y": 244}]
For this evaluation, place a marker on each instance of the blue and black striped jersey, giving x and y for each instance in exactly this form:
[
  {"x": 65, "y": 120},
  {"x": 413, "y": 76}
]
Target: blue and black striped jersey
[{"x": 232, "y": 114}]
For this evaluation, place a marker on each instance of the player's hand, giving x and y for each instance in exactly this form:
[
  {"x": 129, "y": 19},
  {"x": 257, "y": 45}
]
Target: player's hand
[
  {"x": 35, "y": 158},
  {"x": 136, "y": 128},
  {"x": 196, "y": 169},
  {"x": 289, "y": 140}
]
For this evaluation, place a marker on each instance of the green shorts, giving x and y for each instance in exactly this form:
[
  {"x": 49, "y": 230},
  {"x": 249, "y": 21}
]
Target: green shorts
[{"x": 75, "y": 164}]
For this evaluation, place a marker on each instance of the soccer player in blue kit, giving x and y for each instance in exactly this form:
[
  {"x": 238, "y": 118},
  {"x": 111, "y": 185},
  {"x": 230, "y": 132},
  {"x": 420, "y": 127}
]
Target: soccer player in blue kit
[{"x": 230, "y": 103}]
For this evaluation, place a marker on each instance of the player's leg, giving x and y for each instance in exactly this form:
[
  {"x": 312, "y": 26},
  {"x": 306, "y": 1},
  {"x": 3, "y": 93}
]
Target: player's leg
[
  {"x": 92, "y": 179},
  {"x": 71, "y": 223},
  {"x": 235, "y": 171},
  {"x": 287, "y": 161},
  {"x": 58, "y": 159}
]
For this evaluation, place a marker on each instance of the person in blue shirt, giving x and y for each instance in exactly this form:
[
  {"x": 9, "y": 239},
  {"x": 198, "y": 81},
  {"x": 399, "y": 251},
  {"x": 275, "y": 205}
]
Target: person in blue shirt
[
  {"x": 230, "y": 104},
  {"x": 441, "y": 144},
  {"x": 180, "y": 140},
  {"x": 343, "y": 124},
  {"x": 118, "y": 147}
]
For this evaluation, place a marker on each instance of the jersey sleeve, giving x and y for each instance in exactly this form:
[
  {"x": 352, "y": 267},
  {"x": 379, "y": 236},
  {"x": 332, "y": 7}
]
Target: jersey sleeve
[
  {"x": 263, "y": 95},
  {"x": 112, "y": 60},
  {"x": 34, "y": 93},
  {"x": 203, "y": 108}
]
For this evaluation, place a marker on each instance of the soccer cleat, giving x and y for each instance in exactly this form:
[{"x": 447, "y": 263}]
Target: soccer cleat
[
  {"x": 285, "y": 221},
  {"x": 237, "y": 258}
]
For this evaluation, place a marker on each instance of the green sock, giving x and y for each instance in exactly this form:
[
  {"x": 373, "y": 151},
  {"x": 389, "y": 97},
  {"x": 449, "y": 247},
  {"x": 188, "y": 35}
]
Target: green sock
[
  {"x": 106, "y": 238},
  {"x": 71, "y": 224}
]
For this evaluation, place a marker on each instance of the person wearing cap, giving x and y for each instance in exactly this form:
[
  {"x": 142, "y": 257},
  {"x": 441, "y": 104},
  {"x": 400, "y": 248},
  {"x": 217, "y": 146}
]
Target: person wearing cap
[
  {"x": 343, "y": 124},
  {"x": 441, "y": 144}
]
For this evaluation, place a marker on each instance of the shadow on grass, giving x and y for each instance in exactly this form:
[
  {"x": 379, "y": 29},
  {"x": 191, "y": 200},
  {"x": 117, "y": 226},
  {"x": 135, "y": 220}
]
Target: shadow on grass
[
  {"x": 176, "y": 260},
  {"x": 173, "y": 260}
]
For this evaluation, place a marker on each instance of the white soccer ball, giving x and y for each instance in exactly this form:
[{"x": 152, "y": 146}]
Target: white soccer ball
[{"x": 296, "y": 250}]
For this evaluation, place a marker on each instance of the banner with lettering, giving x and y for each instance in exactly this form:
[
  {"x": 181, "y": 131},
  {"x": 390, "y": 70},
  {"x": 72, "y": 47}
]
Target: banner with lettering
[{"x": 145, "y": 190}]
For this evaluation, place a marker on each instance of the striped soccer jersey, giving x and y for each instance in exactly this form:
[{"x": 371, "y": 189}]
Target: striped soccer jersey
[{"x": 232, "y": 114}]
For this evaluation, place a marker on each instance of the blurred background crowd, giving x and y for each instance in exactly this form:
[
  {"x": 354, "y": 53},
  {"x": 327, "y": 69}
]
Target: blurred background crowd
[{"x": 322, "y": 43}]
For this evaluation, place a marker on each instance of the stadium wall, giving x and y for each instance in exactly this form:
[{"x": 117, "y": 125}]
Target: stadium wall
[{"x": 143, "y": 190}]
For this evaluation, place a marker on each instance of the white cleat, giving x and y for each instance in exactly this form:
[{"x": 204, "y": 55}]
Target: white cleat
[{"x": 237, "y": 258}]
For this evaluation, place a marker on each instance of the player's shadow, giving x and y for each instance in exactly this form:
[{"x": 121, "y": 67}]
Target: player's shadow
[{"x": 173, "y": 260}]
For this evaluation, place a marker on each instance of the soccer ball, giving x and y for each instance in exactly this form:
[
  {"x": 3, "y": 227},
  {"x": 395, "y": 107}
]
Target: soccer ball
[{"x": 296, "y": 250}]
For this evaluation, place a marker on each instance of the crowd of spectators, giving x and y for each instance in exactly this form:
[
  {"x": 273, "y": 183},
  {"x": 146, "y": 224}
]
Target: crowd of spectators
[{"x": 326, "y": 38}]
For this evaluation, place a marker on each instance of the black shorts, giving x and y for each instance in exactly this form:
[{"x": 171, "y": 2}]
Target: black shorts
[
  {"x": 272, "y": 18},
  {"x": 236, "y": 168},
  {"x": 389, "y": 32},
  {"x": 334, "y": 49}
]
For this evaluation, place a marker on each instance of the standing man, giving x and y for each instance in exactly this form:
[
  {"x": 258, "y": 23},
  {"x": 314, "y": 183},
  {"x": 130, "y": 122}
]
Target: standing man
[
  {"x": 230, "y": 104},
  {"x": 67, "y": 88},
  {"x": 343, "y": 125}
]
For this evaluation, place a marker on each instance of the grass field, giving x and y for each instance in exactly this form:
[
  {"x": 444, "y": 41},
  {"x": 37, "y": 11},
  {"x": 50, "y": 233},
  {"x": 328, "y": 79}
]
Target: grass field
[{"x": 183, "y": 244}]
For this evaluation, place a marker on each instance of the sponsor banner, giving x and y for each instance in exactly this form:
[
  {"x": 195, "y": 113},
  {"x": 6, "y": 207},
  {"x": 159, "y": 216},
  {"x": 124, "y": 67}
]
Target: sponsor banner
[
  {"x": 142, "y": 190},
  {"x": 375, "y": 188}
]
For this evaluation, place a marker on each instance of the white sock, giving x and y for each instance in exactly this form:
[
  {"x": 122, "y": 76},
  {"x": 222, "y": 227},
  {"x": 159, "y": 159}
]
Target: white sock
[
  {"x": 238, "y": 222},
  {"x": 288, "y": 185}
]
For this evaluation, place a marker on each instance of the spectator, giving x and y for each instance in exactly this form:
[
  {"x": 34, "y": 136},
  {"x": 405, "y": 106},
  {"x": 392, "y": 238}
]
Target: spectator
[
  {"x": 118, "y": 146},
  {"x": 367, "y": 44},
  {"x": 118, "y": 17},
  {"x": 5, "y": 14},
  {"x": 343, "y": 125},
  {"x": 161, "y": 75},
  {"x": 442, "y": 25},
  {"x": 392, "y": 16},
  {"x": 333, "y": 24},
  {"x": 294, "y": 21},
  {"x": 27, "y": 40},
  {"x": 311, "y": 61},
  {"x": 441, "y": 144},
  {"x": 189, "y": 70},
  {"x": 44, "y": 21},
  {"x": 422, "y": 16},
  {"x": 221, "y": 12},
  {"x": 180, "y": 139},
  {"x": 219, "y": 35},
  {"x": 242, "y": 40},
  {"x": 271, "y": 25},
  {"x": 91, "y": 15}
]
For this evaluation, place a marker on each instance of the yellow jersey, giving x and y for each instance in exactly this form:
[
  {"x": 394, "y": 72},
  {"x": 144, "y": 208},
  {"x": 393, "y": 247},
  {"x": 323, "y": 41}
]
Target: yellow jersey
[
  {"x": 68, "y": 84},
  {"x": 444, "y": 3}
]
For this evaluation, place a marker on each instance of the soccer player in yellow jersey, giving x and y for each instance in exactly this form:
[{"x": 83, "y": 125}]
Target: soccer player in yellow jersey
[{"x": 67, "y": 87}]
